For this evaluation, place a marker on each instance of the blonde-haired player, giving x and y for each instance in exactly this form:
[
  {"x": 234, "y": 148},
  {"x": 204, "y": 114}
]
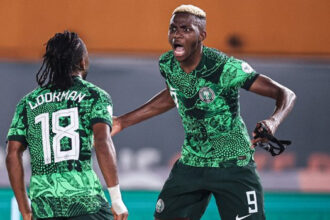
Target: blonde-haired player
[
  {"x": 216, "y": 157},
  {"x": 191, "y": 9}
]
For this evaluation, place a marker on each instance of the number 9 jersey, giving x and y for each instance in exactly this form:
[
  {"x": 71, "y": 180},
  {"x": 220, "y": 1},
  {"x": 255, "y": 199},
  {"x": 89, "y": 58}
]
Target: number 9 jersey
[{"x": 56, "y": 126}]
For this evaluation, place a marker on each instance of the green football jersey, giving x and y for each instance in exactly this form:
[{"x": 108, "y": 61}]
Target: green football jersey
[
  {"x": 207, "y": 100},
  {"x": 57, "y": 128}
]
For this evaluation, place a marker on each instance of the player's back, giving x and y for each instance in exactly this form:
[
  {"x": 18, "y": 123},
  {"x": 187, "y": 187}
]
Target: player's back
[{"x": 57, "y": 127}]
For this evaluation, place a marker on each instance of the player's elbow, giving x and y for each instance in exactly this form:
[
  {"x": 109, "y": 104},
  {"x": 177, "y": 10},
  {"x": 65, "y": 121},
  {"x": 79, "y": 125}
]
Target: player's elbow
[
  {"x": 283, "y": 93},
  {"x": 11, "y": 158},
  {"x": 291, "y": 96},
  {"x": 8, "y": 161}
]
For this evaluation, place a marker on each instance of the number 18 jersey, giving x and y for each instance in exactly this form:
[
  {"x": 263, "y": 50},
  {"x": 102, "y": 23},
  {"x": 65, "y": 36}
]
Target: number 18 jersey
[{"x": 57, "y": 128}]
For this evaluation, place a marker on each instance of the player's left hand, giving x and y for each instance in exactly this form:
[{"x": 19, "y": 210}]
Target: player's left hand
[{"x": 122, "y": 216}]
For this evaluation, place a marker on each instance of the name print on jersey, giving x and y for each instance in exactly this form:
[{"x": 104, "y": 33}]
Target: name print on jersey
[{"x": 57, "y": 97}]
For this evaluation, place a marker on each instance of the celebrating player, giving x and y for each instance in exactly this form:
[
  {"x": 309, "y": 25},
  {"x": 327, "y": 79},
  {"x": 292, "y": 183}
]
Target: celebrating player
[
  {"x": 217, "y": 157},
  {"x": 57, "y": 122}
]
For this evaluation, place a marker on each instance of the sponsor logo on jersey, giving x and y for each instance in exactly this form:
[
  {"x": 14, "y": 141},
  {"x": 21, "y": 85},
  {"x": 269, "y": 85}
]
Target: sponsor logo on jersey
[
  {"x": 246, "y": 67},
  {"x": 206, "y": 94},
  {"x": 160, "y": 206}
]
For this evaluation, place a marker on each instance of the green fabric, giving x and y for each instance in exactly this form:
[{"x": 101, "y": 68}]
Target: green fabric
[
  {"x": 64, "y": 184},
  {"x": 188, "y": 189},
  {"x": 103, "y": 214},
  {"x": 208, "y": 103}
]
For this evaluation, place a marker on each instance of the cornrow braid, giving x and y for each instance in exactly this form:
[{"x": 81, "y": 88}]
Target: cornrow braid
[{"x": 64, "y": 53}]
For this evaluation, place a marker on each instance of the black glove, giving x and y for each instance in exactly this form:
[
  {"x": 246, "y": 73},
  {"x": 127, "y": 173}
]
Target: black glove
[{"x": 261, "y": 131}]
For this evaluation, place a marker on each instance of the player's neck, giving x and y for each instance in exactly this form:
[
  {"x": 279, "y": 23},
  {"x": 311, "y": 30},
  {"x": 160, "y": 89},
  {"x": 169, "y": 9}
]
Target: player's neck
[
  {"x": 78, "y": 74},
  {"x": 192, "y": 61}
]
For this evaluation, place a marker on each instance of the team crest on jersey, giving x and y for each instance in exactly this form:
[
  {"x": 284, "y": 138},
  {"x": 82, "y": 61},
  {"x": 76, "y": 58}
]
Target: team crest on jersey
[
  {"x": 206, "y": 94},
  {"x": 246, "y": 67},
  {"x": 160, "y": 206}
]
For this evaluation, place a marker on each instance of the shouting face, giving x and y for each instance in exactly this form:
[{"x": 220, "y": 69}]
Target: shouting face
[{"x": 185, "y": 36}]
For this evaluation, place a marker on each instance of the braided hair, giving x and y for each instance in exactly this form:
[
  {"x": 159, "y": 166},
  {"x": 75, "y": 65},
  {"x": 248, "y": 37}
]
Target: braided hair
[{"x": 64, "y": 53}]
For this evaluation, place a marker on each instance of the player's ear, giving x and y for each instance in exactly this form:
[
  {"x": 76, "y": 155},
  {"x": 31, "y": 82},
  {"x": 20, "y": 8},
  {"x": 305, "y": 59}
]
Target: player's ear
[
  {"x": 84, "y": 63},
  {"x": 202, "y": 35}
]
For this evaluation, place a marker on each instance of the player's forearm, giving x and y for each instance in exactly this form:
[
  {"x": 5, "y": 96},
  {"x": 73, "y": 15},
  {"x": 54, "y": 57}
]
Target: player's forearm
[
  {"x": 160, "y": 103},
  {"x": 285, "y": 100},
  {"x": 16, "y": 178},
  {"x": 284, "y": 97},
  {"x": 106, "y": 157}
]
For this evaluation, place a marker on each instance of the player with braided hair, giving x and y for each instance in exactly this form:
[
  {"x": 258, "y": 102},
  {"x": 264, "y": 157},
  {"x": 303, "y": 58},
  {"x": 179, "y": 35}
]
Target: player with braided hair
[
  {"x": 62, "y": 57},
  {"x": 57, "y": 122}
]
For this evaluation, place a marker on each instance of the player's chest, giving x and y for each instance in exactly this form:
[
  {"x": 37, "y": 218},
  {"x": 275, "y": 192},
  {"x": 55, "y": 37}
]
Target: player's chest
[{"x": 200, "y": 93}]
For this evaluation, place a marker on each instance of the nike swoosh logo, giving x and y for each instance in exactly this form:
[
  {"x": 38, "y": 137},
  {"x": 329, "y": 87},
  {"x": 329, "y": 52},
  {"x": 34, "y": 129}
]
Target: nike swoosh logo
[{"x": 243, "y": 217}]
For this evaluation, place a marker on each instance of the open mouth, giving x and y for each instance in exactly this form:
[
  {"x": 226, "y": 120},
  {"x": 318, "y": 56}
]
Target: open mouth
[{"x": 178, "y": 49}]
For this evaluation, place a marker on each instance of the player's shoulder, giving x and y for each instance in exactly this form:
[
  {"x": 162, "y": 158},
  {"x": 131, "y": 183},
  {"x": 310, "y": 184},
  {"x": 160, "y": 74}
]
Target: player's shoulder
[
  {"x": 166, "y": 61},
  {"x": 239, "y": 64},
  {"x": 214, "y": 55},
  {"x": 31, "y": 95},
  {"x": 234, "y": 61},
  {"x": 93, "y": 89},
  {"x": 167, "y": 56}
]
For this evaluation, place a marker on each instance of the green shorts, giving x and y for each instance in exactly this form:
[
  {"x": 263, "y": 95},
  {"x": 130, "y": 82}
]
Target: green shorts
[
  {"x": 187, "y": 192},
  {"x": 103, "y": 214}
]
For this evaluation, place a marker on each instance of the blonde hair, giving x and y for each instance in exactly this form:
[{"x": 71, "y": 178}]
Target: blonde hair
[{"x": 191, "y": 9}]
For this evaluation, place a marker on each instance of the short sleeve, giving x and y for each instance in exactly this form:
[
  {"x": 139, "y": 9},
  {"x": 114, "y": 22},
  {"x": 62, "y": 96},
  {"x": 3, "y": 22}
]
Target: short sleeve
[
  {"x": 165, "y": 63},
  {"x": 102, "y": 110},
  {"x": 239, "y": 74},
  {"x": 18, "y": 127},
  {"x": 161, "y": 69},
  {"x": 162, "y": 73}
]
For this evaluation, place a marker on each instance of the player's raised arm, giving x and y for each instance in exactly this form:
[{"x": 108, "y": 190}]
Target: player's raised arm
[
  {"x": 160, "y": 103},
  {"x": 106, "y": 157},
  {"x": 284, "y": 97},
  {"x": 15, "y": 170}
]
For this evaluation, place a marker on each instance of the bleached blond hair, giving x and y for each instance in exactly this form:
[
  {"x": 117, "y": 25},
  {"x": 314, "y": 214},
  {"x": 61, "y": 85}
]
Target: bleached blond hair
[{"x": 191, "y": 9}]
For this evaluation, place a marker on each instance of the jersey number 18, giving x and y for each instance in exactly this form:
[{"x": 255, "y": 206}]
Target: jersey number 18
[{"x": 60, "y": 132}]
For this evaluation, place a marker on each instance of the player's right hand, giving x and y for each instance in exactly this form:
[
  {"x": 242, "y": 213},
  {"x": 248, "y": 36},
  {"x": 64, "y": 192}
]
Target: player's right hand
[
  {"x": 116, "y": 126},
  {"x": 122, "y": 216}
]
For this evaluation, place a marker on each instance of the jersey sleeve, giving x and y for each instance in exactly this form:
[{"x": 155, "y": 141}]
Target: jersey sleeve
[
  {"x": 102, "y": 110},
  {"x": 18, "y": 127},
  {"x": 162, "y": 72},
  {"x": 165, "y": 63},
  {"x": 239, "y": 74},
  {"x": 161, "y": 67}
]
